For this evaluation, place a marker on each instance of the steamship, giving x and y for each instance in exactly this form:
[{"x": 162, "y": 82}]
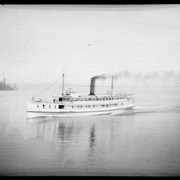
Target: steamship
[{"x": 73, "y": 104}]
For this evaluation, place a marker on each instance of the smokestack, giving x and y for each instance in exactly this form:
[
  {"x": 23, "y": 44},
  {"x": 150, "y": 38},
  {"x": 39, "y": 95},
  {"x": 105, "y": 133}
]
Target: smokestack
[{"x": 92, "y": 86}]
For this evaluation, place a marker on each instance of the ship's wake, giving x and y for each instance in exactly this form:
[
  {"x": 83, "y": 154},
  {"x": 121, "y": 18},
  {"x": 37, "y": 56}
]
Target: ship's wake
[{"x": 150, "y": 109}]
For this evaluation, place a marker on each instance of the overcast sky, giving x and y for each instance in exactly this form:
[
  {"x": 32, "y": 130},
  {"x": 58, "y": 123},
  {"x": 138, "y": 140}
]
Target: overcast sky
[{"x": 37, "y": 42}]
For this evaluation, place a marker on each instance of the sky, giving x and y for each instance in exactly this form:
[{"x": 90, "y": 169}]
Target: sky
[{"x": 40, "y": 42}]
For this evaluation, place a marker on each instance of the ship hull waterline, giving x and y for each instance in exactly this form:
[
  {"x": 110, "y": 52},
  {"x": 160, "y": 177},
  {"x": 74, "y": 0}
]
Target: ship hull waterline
[{"x": 34, "y": 114}]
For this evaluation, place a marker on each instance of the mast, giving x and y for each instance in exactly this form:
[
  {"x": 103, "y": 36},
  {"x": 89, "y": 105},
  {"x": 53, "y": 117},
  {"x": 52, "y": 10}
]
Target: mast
[
  {"x": 112, "y": 85},
  {"x": 63, "y": 85}
]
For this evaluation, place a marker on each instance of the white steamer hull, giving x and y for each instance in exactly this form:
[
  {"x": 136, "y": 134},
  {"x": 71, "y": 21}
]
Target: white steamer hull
[{"x": 32, "y": 114}]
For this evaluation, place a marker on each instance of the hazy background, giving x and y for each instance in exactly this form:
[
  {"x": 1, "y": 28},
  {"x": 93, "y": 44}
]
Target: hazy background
[{"x": 139, "y": 43}]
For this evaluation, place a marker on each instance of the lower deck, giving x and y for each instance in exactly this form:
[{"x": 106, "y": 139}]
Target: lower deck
[
  {"x": 32, "y": 114},
  {"x": 78, "y": 109},
  {"x": 74, "y": 106}
]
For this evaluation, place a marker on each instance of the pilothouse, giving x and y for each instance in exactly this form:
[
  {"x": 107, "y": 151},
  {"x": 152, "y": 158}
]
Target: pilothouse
[{"x": 73, "y": 104}]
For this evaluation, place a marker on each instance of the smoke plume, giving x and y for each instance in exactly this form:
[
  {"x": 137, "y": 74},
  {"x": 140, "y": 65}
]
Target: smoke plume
[
  {"x": 102, "y": 76},
  {"x": 148, "y": 78}
]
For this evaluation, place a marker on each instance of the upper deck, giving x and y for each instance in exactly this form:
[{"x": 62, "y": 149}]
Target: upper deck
[{"x": 95, "y": 99}]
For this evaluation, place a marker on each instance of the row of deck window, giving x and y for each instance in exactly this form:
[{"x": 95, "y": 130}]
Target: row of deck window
[
  {"x": 58, "y": 106},
  {"x": 81, "y": 106},
  {"x": 97, "y": 99},
  {"x": 94, "y": 106},
  {"x": 43, "y": 106}
]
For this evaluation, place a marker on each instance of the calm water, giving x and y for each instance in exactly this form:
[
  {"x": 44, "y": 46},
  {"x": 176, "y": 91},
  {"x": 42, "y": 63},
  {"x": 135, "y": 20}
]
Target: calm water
[{"x": 145, "y": 141}]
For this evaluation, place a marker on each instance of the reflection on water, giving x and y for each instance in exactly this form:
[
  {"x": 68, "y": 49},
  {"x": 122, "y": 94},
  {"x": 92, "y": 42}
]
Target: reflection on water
[
  {"x": 92, "y": 137},
  {"x": 91, "y": 149},
  {"x": 86, "y": 142}
]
